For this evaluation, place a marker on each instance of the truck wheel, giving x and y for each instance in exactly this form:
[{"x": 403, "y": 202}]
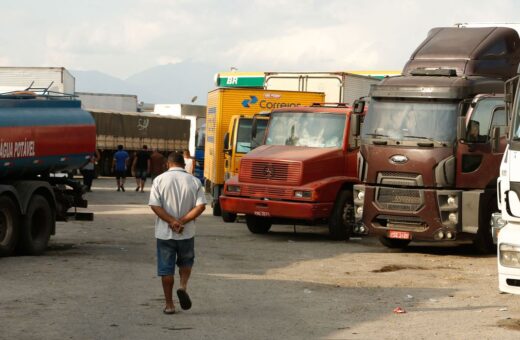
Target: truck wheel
[
  {"x": 258, "y": 225},
  {"x": 483, "y": 242},
  {"x": 37, "y": 225},
  {"x": 217, "y": 211},
  {"x": 342, "y": 218},
  {"x": 228, "y": 217},
  {"x": 394, "y": 243},
  {"x": 9, "y": 225}
]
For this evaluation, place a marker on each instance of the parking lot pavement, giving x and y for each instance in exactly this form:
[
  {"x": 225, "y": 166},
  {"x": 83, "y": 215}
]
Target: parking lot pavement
[{"x": 98, "y": 281}]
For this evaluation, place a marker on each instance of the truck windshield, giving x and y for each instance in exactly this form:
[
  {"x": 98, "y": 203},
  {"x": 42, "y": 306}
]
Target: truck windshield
[
  {"x": 405, "y": 120},
  {"x": 319, "y": 130}
]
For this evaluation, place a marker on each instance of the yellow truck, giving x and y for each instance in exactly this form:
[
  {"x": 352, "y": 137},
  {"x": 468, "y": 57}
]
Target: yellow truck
[{"x": 223, "y": 104}]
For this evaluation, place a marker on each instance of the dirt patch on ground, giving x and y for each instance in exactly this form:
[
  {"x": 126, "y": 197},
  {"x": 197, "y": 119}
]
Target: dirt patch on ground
[
  {"x": 396, "y": 267},
  {"x": 509, "y": 323}
]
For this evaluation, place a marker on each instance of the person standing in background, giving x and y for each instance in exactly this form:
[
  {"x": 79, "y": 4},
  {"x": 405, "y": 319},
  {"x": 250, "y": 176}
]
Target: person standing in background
[
  {"x": 119, "y": 167},
  {"x": 141, "y": 167},
  {"x": 188, "y": 160},
  {"x": 157, "y": 164},
  {"x": 88, "y": 170}
]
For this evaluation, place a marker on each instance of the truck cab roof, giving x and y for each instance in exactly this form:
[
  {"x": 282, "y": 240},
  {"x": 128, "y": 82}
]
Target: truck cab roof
[{"x": 476, "y": 51}]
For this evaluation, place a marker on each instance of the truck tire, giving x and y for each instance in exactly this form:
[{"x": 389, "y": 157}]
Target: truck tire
[
  {"x": 228, "y": 217},
  {"x": 483, "y": 241},
  {"x": 217, "y": 211},
  {"x": 258, "y": 225},
  {"x": 394, "y": 243},
  {"x": 9, "y": 226},
  {"x": 342, "y": 219},
  {"x": 36, "y": 228}
]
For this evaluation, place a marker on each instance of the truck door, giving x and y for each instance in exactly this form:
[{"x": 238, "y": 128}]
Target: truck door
[
  {"x": 229, "y": 142},
  {"x": 477, "y": 161}
]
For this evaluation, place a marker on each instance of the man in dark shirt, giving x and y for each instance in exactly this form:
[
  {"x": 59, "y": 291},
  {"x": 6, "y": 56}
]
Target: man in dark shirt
[{"x": 141, "y": 167}]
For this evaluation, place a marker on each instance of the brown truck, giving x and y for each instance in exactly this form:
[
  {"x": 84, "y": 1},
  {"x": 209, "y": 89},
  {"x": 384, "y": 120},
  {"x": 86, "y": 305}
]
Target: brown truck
[{"x": 433, "y": 139}]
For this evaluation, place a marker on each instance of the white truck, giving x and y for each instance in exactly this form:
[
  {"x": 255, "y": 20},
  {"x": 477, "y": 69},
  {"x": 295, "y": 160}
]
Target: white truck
[
  {"x": 506, "y": 225},
  {"x": 339, "y": 87}
]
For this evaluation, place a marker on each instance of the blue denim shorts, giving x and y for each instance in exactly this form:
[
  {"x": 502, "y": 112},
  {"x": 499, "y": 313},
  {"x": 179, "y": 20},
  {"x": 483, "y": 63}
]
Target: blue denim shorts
[{"x": 171, "y": 252}]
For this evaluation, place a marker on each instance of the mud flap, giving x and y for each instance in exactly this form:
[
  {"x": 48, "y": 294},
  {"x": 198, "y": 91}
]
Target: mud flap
[{"x": 470, "y": 205}]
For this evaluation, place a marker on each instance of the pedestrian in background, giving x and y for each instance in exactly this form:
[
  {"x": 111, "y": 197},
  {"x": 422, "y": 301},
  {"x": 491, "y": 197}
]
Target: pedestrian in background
[
  {"x": 89, "y": 170},
  {"x": 120, "y": 166},
  {"x": 157, "y": 164},
  {"x": 141, "y": 167},
  {"x": 188, "y": 160},
  {"x": 177, "y": 198}
]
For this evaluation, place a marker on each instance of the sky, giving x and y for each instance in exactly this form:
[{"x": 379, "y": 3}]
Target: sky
[{"x": 122, "y": 38}]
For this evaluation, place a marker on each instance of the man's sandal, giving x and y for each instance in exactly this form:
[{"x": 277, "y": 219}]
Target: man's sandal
[
  {"x": 184, "y": 299},
  {"x": 168, "y": 311}
]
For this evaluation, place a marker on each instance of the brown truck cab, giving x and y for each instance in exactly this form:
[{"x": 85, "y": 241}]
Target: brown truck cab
[
  {"x": 433, "y": 139},
  {"x": 304, "y": 174}
]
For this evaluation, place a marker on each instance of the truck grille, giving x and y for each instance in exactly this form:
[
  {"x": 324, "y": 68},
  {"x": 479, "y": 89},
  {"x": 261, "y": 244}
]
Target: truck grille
[
  {"x": 411, "y": 223},
  {"x": 263, "y": 191},
  {"x": 399, "y": 199},
  {"x": 399, "y": 178},
  {"x": 270, "y": 172}
]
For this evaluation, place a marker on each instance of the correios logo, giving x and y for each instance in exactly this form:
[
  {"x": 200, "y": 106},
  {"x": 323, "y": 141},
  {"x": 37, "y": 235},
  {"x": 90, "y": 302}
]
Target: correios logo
[
  {"x": 266, "y": 103},
  {"x": 252, "y": 100}
]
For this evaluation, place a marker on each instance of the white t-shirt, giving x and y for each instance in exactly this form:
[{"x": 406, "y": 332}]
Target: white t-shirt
[
  {"x": 188, "y": 165},
  {"x": 177, "y": 192}
]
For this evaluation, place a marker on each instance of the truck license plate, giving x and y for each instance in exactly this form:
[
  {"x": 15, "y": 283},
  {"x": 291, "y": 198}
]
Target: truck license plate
[
  {"x": 262, "y": 213},
  {"x": 403, "y": 235}
]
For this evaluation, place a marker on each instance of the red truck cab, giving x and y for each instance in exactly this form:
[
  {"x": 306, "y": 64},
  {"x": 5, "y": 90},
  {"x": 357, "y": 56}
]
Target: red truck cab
[{"x": 303, "y": 174}]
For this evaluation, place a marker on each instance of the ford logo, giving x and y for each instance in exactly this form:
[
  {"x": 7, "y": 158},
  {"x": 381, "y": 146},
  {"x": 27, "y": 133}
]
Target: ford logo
[{"x": 398, "y": 159}]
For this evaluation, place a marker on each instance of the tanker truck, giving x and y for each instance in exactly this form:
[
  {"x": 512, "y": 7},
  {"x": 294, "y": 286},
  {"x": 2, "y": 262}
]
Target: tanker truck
[{"x": 40, "y": 135}]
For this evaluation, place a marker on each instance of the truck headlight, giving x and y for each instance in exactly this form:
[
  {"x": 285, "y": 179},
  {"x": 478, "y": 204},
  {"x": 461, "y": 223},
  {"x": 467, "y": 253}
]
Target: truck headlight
[
  {"x": 509, "y": 255},
  {"x": 233, "y": 189},
  {"x": 452, "y": 201},
  {"x": 302, "y": 194},
  {"x": 453, "y": 218},
  {"x": 361, "y": 195}
]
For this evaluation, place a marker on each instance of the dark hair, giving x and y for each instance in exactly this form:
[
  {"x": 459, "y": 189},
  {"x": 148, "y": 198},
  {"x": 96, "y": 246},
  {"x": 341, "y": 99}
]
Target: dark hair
[
  {"x": 176, "y": 157},
  {"x": 120, "y": 147},
  {"x": 145, "y": 147}
]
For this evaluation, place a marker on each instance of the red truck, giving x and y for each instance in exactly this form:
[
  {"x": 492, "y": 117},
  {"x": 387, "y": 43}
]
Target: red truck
[
  {"x": 303, "y": 174},
  {"x": 433, "y": 139}
]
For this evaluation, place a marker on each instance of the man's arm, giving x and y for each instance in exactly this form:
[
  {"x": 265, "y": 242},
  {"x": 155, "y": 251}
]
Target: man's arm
[
  {"x": 175, "y": 224},
  {"x": 193, "y": 214}
]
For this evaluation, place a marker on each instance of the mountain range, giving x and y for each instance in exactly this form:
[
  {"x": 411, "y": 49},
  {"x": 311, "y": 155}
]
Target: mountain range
[{"x": 166, "y": 84}]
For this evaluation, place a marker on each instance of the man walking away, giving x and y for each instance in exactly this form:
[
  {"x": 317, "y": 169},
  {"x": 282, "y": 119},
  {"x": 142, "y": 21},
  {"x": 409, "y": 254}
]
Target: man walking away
[
  {"x": 119, "y": 166},
  {"x": 141, "y": 167},
  {"x": 157, "y": 164},
  {"x": 177, "y": 198}
]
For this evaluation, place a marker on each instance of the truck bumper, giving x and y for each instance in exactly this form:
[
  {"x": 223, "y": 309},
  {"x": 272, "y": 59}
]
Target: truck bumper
[
  {"x": 278, "y": 209},
  {"x": 415, "y": 214},
  {"x": 507, "y": 259}
]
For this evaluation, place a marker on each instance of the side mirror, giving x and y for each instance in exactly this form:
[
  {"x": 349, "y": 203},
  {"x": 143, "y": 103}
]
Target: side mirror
[
  {"x": 226, "y": 141},
  {"x": 495, "y": 138},
  {"x": 253, "y": 128},
  {"x": 461, "y": 128},
  {"x": 359, "y": 106},
  {"x": 355, "y": 125}
]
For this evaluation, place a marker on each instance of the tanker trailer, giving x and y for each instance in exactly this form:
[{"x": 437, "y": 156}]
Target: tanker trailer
[{"x": 40, "y": 135}]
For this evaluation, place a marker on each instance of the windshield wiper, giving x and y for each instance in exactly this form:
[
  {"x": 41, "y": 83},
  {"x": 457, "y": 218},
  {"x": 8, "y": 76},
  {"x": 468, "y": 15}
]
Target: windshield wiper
[
  {"x": 427, "y": 138},
  {"x": 376, "y": 135}
]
